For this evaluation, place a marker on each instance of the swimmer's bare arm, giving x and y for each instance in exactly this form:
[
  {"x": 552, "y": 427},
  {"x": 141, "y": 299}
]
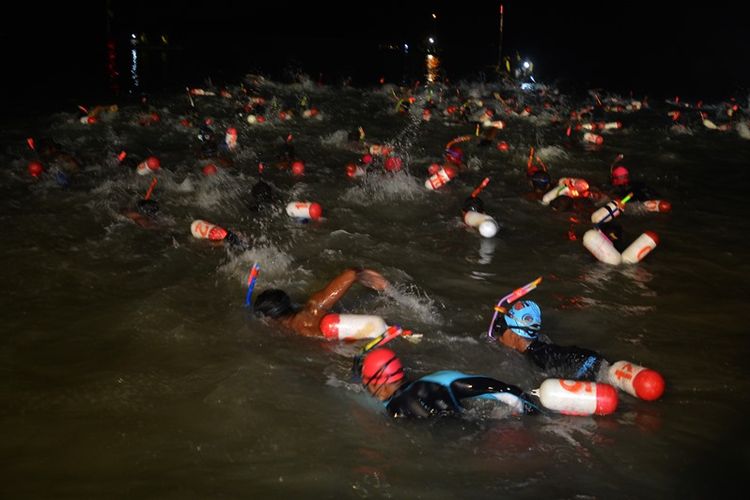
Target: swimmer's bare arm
[
  {"x": 332, "y": 293},
  {"x": 306, "y": 321}
]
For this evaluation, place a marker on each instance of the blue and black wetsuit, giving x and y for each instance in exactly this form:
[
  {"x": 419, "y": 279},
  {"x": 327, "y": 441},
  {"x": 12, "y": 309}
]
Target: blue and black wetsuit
[
  {"x": 440, "y": 394},
  {"x": 569, "y": 362}
]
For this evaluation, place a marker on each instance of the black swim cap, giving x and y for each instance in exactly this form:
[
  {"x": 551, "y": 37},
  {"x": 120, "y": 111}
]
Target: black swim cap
[
  {"x": 148, "y": 207},
  {"x": 473, "y": 204},
  {"x": 273, "y": 303},
  {"x": 540, "y": 180}
]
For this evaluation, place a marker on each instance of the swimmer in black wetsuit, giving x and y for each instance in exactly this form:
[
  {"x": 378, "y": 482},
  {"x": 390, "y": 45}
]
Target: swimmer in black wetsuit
[
  {"x": 519, "y": 330},
  {"x": 434, "y": 395},
  {"x": 621, "y": 186}
]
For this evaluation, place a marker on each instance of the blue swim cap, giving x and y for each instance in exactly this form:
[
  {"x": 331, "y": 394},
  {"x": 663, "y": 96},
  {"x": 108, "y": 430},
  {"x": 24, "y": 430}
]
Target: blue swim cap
[{"x": 524, "y": 318}]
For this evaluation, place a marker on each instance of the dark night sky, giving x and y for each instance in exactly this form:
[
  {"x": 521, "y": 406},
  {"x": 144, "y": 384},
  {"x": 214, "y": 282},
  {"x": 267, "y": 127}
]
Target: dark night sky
[{"x": 641, "y": 46}]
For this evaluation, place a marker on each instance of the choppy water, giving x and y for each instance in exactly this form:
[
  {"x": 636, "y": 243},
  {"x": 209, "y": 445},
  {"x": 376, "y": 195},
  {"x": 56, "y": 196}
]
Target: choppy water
[{"x": 131, "y": 369}]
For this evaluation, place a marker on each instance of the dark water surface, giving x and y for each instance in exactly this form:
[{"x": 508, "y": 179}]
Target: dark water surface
[{"x": 131, "y": 369}]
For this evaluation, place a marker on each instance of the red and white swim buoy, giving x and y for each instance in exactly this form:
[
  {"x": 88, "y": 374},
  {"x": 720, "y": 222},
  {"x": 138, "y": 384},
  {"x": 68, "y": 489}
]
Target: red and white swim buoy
[
  {"x": 641, "y": 247},
  {"x": 149, "y": 165},
  {"x": 441, "y": 177},
  {"x": 380, "y": 150},
  {"x": 611, "y": 210},
  {"x": 575, "y": 397},
  {"x": 352, "y": 326},
  {"x": 593, "y": 138},
  {"x": 485, "y": 224},
  {"x": 661, "y": 206},
  {"x": 230, "y": 138},
  {"x": 553, "y": 193},
  {"x": 353, "y": 170},
  {"x": 206, "y": 231},
  {"x": 601, "y": 247},
  {"x": 636, "y": 380},
  {"x": 255, "y": 119},
  {"x": 304, "y": 210}
]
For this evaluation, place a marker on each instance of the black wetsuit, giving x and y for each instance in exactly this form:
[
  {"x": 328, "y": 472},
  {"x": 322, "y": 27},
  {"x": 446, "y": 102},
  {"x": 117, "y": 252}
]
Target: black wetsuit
[
  {"x": 640, "y": 191},
  {"x": 568, "y": 362},
  {"x": 439, "y": 394}
]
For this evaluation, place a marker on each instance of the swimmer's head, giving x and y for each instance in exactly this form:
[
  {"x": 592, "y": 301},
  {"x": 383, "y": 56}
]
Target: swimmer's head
[
  {"x": 380, "y": 367},
  {"x": 454, "y": 154},
  {"x": 620, "y": 176},
  {"x": 524, "y": 318},
  {"x": 273, "y": 303},
  {"x": 540, "y": 180},
  {"x": 148, "y": 207},
  {"x": 473, "y": 204}
]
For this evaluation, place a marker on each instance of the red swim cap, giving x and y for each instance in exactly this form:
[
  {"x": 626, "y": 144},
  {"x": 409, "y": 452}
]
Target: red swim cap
[
  {"x": 381, "y": 366},
  {"x": 620, "y": 176}
]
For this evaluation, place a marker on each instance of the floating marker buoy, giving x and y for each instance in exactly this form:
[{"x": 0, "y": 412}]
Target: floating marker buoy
[
  {"x": 304, "y": 210},
  {"x": 210, "y": 169},
  {"x": 641, "y": 247},
  {"x": 601, "y": 247},
  {"x": 503, "y": 146},
  {"x": 485, "y": 224},
  {"x": 206, "y": 231},
  {"x": 574, "y": 397},
  {"x": 638, "y": 381},
  {"x": 352, "y": 326}
]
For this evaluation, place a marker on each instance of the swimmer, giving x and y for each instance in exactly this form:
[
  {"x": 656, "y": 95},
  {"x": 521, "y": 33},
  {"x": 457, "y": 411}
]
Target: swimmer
[
  {"x": 519, "y": 329},
  {"x": 277, "y": 305},
  {"x": 145, "y": 214},
  {"x": 540, "y": 184},
  {"x": 436, "y": 395},
  {"x": 621, "y": 186},
  {"x": 262, "y": 194}
]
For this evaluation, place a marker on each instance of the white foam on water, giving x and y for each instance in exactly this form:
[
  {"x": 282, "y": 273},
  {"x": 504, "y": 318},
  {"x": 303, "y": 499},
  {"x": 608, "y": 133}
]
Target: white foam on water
[{"x": 380, "y": 187}]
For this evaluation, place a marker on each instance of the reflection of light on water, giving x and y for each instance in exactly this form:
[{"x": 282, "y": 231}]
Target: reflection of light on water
[
  {"x": 486, "y": 250},
  {"x": 433, "y": 65},
  {"x": 134, "y": 68}
]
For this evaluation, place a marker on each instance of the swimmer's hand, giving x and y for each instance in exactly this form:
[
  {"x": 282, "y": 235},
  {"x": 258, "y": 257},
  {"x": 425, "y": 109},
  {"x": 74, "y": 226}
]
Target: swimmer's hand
[{"x": 372, "y": 279}]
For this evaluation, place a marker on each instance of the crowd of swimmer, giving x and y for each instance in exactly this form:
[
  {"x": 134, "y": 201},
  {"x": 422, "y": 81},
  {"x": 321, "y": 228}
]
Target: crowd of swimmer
[{"x": 582, "y": 381}]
